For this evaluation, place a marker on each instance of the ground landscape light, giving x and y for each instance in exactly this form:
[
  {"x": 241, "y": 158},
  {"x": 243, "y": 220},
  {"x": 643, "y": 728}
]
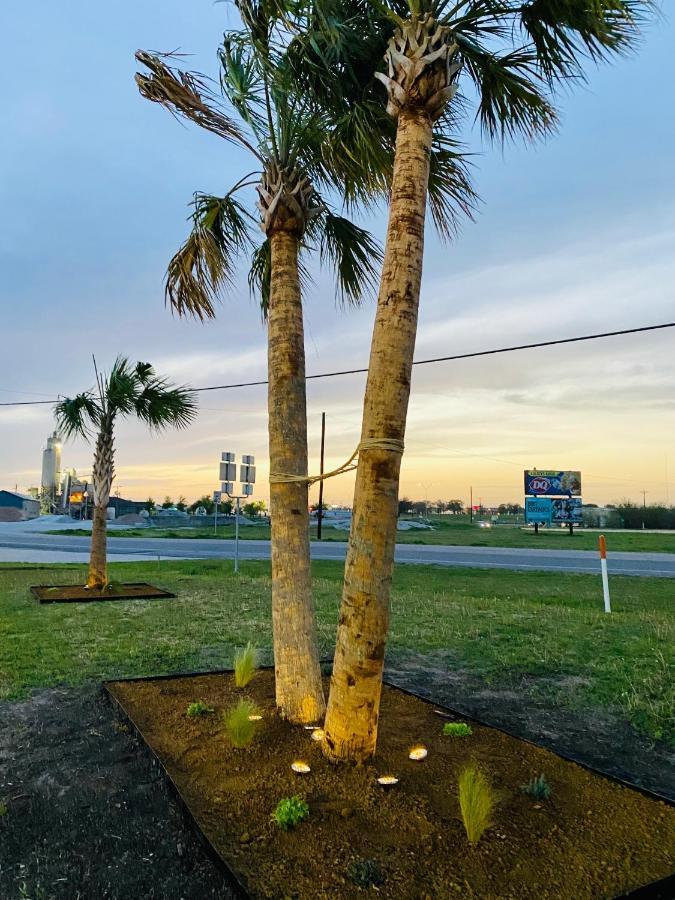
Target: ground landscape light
[
  {"x": 418, "y": 752},
  {"x": 317, "y": 734},
  {"x": 387, "y": 781},
  {"x": 300, "y": 768},
  {"x": 254, "y": 717}
]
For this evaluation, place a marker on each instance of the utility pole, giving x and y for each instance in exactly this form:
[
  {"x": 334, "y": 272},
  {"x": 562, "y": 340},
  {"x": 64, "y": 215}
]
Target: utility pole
[
  {"x": 644, "y": 505},
  {"x": 471, "y": 504},
  {"x": 319, "y": 517}
]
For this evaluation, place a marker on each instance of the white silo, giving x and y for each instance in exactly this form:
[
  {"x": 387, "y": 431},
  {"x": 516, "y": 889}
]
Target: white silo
[{"x": 51, "y": 464}]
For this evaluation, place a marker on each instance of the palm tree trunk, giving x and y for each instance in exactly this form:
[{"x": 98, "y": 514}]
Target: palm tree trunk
[
  {"x": 98, "y": 574},
  {"x": 299, "y": 692},
  {"x": 102, "y": 477},
  {"x": 356, "y": 684}
]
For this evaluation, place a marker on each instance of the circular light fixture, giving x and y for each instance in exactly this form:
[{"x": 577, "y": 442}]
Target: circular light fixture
[
  {"x": 387, "y": 781},
  {"x": 254, "y": 717},
  {"x": 418, "y": 753},
  {"x": 300, "y": 768},
  {"x": 317, "y": 734}
]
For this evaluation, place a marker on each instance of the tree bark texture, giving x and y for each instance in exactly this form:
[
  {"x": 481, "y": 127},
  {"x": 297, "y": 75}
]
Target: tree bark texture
[
  {"x": 299, "y": 692},
  {"x": 102, "y": 477},
  {"x": 356, "y": 683}
]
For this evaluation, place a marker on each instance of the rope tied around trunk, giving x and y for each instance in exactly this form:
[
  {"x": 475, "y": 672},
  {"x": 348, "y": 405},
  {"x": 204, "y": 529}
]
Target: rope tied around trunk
[{"x": 392, "y": 445}]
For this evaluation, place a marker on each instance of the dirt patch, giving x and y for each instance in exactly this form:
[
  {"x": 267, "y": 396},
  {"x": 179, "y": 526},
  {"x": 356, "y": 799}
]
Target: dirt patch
[
  {"x": 87, "y": 815},
  {"x": 525, "y": 705},
  {"x": 591, "y": 839},
  {"x": 78, "y": 593}
]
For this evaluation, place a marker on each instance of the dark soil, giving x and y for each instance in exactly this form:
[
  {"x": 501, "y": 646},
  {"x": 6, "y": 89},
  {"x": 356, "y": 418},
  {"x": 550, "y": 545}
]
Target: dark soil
[
  {"x": 88, "y": 817},
  {"x": 78, "y": 593},
  {"x": 527, "y": 706},
  {"x": 591, "y": 839}
]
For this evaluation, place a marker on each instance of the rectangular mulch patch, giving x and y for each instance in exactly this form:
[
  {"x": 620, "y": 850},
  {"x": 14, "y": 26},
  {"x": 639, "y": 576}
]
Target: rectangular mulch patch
[
  {"x": 593, "y": 838},
  {"x": 78, "y": 593}
]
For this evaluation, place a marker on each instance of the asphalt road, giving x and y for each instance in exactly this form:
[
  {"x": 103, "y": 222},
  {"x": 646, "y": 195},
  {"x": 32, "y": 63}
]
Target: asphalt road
[{"x": 53, "y": 548}]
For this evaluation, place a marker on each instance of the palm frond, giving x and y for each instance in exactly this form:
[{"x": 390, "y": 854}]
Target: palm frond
[
  {"x": 353, "y": 253},
  {"x": 512, "y": 102},
  {"x": 189, "y": 95},
  {"x": 77, "y": 416},
  {"x": 205, "y": 264},
  {"x": 160, "y": 405},
  {"x": 121, "y": 387},
  {"x": 452, "y": 197},
  {"x": 566, "y": 32},
  {"x": 260, "y": 275}
]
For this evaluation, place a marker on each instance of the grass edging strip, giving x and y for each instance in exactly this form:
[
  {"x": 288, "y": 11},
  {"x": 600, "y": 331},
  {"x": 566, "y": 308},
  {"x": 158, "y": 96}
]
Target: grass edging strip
[
  {"x": 75, "y": 593},
  {"x": 662, "y": 889}
]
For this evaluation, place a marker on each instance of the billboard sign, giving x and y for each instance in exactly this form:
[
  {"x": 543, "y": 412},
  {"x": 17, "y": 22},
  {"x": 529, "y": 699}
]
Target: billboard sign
[
  {"x": 567, "y": 512},
  {"x": 539, "y": 483},
  {"x": 538, "y": 510}
]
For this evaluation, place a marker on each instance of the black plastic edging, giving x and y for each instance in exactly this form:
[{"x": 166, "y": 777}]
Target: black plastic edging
[
  {"x": 160, "y": 594},
  {"x": 663, "y": 889}
]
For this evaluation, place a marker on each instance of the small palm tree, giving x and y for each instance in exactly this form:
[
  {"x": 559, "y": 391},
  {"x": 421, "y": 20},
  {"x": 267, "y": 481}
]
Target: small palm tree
[
  {"x": 504, "y": 59},
  {"x": 128, "y": 391},
  {"x": 288, "y": 142}
]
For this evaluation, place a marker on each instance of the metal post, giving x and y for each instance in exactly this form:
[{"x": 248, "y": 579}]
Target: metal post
[
  {"x": 471, "y": 505},
  {"x": 319, "y": 517},
  {"x": 215, "y": 520},
  {"x": 236, "y": 537},
  {"x": 603, "y": 568}
]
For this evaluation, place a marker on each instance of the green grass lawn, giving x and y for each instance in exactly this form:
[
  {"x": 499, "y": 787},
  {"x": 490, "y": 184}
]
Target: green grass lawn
[
  {"x": 497, "y": 625},
  {"x": 445, "y": 534}
]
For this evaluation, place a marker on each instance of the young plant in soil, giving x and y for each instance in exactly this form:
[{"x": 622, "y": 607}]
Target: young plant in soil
[
  {"x": 245, "y": 664},
  {"x": 4, "y": 809},
  {"x": 477, "y": 801},
  {"x": 538, "y": 787},
  {"x": 240, "y": 729},
  {"x": 290, "y": 812},
  {"x": 457, "y": 729},
  {"x": 198, "y": 708},
  {"x": 365, "y": 873}
]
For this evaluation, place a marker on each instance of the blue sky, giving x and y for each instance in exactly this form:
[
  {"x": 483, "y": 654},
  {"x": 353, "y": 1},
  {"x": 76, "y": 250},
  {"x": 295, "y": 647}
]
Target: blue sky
[{"x": 574, "y": 235}]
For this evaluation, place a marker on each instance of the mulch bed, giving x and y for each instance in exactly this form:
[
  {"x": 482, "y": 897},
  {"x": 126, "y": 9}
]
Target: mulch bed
[
  {"x": 88, "y": 816},
  {"x": 592, "y": 839},
  {"x": 78, "y": 593}
]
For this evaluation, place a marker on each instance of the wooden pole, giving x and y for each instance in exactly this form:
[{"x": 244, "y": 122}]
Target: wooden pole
[{"x": 319, "y": 517}]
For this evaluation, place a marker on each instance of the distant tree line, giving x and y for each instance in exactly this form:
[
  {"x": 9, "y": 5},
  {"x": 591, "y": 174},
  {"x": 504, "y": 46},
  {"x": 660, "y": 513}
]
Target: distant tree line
[
  {"x": 635, "y": 515},
  {"x": 251, "y": 510}
]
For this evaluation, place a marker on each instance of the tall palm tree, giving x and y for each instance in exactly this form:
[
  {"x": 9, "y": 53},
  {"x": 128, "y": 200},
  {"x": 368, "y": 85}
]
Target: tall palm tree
[
  {"x": 127, "y": 391},
  {"x": 287, "y": 141},
  {"x": 511, "y": 56}
]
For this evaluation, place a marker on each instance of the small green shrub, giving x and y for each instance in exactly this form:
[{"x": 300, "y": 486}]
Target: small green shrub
[
  {"x": 198, "y": 708},
  {"x": 365, "y": 873},
  {"x": 4, "y": 809},
  {"x": 539, "y": 788},
  {"x": 476, "y": 801},
  {"x": 245, "y": 663},
  {"x": 457, "y": 729},
  {"x": 240, "y": 729},
  {"x": 290, "y": 812}
]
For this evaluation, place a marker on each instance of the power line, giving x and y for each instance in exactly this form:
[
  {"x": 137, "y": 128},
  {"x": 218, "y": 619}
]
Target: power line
[{"x": 417, "y": 362}]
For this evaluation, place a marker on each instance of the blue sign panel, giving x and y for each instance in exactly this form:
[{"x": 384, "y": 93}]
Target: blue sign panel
[
  {"x": 552, "y": 484},
  {"x": 538, "y": 510}
]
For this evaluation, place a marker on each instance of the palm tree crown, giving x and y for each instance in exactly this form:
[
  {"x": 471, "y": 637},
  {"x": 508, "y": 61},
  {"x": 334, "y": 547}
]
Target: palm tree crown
[
  {"x": 128, "y": 390},
  {"x": 295, "y": 161}
]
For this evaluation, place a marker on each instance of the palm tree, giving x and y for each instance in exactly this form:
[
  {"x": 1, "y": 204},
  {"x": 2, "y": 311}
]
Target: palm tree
[
  {"x": 286, "y": 139},
  {"x": 512, "y": 55},
  {"x": 128, "y": 391}
]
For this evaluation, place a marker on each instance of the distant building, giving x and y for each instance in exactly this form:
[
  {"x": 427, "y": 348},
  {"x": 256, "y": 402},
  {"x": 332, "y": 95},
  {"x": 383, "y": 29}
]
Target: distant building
[
  {"x": 51, "y": 465},
  {"x": 16, "y": 507}
]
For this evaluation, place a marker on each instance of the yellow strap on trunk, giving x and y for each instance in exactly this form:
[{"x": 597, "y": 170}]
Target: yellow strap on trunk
[{"x": 391, "y": 444}]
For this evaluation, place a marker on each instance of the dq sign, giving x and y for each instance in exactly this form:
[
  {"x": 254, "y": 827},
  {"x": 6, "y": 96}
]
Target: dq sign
[{"x": 539, "y": 483}]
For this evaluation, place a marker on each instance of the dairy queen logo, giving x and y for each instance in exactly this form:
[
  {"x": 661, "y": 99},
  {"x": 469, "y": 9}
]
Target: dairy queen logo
[{"x": 540, "y": 484}]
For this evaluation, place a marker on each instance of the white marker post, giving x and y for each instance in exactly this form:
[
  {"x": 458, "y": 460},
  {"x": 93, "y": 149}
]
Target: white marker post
[{"x": 603, "y": 567}]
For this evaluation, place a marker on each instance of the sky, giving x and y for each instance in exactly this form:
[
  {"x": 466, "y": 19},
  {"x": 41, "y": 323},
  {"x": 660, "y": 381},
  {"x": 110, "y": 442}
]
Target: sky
[{"x": 573, "y": 236}]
